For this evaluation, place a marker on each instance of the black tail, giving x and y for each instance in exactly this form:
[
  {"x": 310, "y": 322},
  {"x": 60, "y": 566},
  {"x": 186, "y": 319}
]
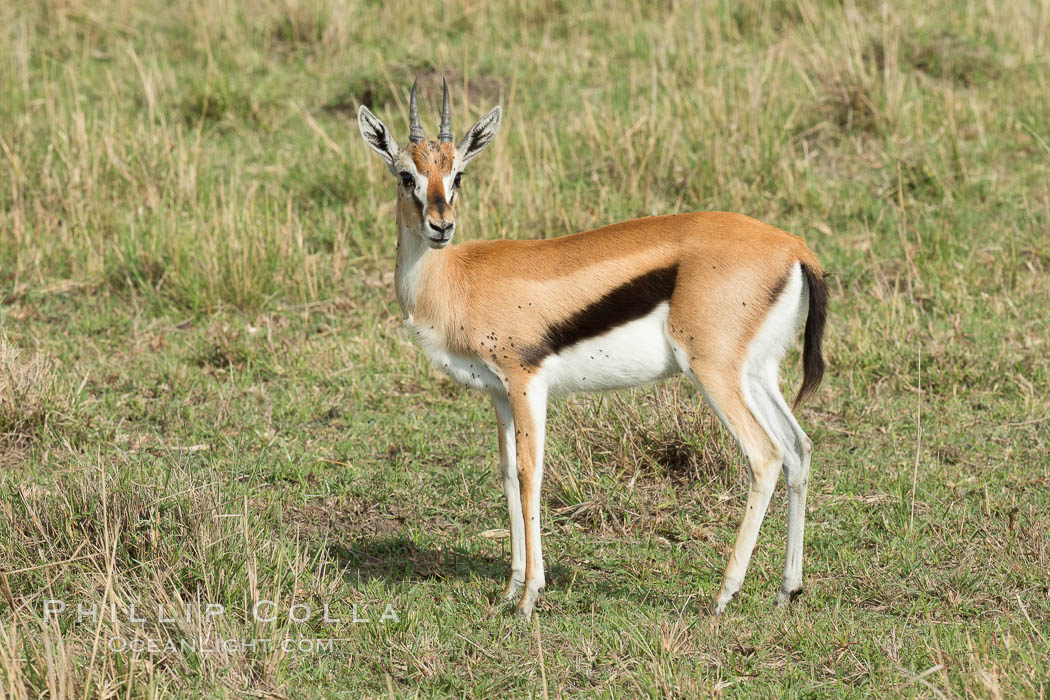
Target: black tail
[{"x": 812, "y": 356}]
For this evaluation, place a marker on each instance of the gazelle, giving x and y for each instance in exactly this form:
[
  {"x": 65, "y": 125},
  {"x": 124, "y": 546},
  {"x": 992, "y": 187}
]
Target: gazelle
[{"x": 713, "y": 295}]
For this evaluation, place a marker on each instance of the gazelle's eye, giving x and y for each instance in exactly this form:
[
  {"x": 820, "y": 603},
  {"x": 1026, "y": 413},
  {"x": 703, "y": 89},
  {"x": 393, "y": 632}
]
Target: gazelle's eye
[
  {"x": 407, "y": 180},
  {"x": 456, "y": 183}
]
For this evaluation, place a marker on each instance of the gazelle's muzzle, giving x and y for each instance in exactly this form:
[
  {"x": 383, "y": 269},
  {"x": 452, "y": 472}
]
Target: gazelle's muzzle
[
  {"x": 440, "y": 233},
  {"x": 440, "y": 222}
]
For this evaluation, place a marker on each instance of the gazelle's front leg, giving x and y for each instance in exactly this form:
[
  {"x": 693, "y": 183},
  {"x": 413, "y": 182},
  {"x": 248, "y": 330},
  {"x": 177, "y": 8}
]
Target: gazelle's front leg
[
  {"x": 528, "y": 403},
  {"x": 509, "y": 467}
]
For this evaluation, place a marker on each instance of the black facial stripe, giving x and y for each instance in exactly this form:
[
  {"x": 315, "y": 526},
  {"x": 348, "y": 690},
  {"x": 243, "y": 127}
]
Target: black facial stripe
[
  {"x": 628, "y": 302},
  {"x": 415, "y": 198}
]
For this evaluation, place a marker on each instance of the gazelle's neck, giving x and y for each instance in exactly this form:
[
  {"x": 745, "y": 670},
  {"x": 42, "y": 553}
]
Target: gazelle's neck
[
  {"x": 429, "y": 288},
  {"x": 413, "y": 258},
  {"x": 423, "y": 278}
]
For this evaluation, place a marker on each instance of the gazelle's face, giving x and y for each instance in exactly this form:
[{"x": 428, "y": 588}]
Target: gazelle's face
[
  {"x": 428, "y": 173},
  {"x": 428, "y": 190}
]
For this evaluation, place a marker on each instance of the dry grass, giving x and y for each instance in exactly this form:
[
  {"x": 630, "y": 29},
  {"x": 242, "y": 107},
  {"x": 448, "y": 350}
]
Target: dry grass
[
  {"x": 32, "y": 400},
  {"x": 148, "y": 561}
]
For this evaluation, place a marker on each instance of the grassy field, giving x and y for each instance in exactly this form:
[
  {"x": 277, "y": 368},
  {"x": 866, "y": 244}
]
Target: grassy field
[{"x": 207, "y": 398}]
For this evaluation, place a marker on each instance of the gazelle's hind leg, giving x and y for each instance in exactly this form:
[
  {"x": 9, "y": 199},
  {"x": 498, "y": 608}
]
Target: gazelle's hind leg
[
  {"x": 725, "y": 392},
  {"x": 765, "y": 399},
  {"x": 797, "y": 453},
  {"x": 744, "y": 394}
]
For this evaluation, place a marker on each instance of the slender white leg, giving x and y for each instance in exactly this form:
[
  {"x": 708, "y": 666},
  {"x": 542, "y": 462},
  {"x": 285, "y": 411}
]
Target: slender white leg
[
  {"x": 735, "y": 407},
  {"x": 772, "y": 411},
  {"x": 530, "y": 419},
  {"x": 798, "y": 484},
  {"x": 797, "y": 457},
  {"x": 763, "y": 481},
  {"x": 509, "y": 467}
]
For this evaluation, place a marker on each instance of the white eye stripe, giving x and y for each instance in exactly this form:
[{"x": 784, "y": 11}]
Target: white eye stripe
[{"x": 448, "y": 183}]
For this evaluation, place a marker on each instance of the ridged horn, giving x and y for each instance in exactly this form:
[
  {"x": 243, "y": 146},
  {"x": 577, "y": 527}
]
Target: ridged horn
[
  {"x": 445, "y": 133},
  {"x": 415, "y": 128}
]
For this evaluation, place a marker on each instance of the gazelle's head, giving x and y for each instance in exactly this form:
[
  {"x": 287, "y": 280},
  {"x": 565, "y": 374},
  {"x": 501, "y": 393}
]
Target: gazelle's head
[{"x": 428, "y": 172}]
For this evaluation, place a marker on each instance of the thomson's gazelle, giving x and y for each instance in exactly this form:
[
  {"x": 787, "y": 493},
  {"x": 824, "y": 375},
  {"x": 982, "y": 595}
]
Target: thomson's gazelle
[{"x": 717, "y": 296}]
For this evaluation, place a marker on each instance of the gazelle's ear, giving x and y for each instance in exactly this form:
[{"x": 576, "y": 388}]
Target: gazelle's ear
[
  {"x": 479, "y": 136},
  {"x": 378, "y": 137}
]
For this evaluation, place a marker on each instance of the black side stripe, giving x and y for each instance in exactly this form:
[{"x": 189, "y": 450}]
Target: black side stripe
[{"x": 628, "y": 302}]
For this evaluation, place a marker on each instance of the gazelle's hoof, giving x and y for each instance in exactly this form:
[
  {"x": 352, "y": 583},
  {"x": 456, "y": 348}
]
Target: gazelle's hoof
[
  {"x": 720, "y": 602},
  {"x": 512, "y": 590},
  {"x": 527, "y": 603},
  {"x": 786, "y": 598}
]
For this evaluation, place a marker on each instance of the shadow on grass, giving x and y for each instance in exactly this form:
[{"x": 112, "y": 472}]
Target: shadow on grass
[{"x": 397, "y": 559}]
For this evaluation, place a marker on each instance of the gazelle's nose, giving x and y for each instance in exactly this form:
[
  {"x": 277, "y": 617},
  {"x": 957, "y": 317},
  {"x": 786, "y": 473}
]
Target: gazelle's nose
[{"x": 442, "y": 227}]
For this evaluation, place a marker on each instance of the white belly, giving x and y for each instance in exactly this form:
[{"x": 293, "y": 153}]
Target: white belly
[{"x": 634, "y": 353}]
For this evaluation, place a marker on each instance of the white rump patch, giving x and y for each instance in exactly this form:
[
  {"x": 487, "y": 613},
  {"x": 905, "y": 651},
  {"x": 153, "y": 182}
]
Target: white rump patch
[{"x": 765, "y": 351}]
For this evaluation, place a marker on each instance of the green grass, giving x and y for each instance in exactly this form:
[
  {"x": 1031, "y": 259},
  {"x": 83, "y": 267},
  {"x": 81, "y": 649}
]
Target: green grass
[{"x": 206, "y": 394}]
